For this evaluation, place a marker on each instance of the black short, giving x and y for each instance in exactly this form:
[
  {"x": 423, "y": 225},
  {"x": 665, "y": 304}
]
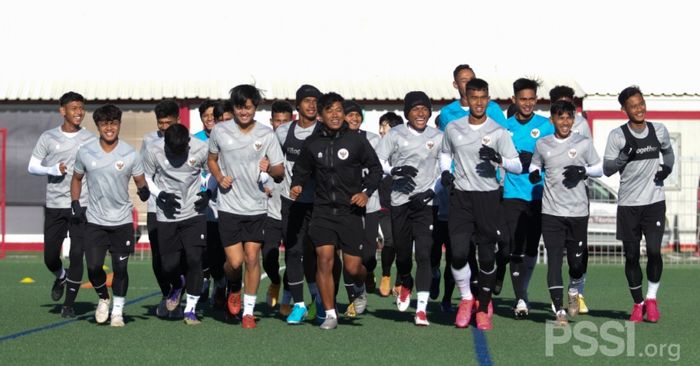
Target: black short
[
  {"x": 236, "y": 229},
  {"x": 179, "y": 235},
  {"x": 557, "y": 230},
  {"x": 633, "y": 220},
  {"x": 273, "y": 232},
  {"x": 117, "y": 239},
  {"x": 345, "y": 231},
  {"x": 58, "y": 222}
]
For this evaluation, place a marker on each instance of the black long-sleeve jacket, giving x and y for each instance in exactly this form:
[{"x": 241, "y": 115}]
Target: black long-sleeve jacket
[{"x": 335, "y": 160}]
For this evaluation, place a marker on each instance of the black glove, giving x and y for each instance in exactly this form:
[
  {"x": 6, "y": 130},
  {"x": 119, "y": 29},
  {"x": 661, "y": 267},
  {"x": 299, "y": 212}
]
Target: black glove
[
  {"x": 78, "y": 215},
  {"x": 403, "y": 185},
  {"x": 628, "y": 151},
  {"x": 662, "y": 174},
  {"x": 488, "y": 153},
  {"x": 144, "y": 193},
  {"x": 404, "y": 171},
  {"x": 525, "y": 159},
  {"x": 447, "y": 178},
  {"x": 168, "y": 202},
  {"x": 419, "y": 200},
  {"x": 534, "y": 176},
  {"x": 573, "y": 174},
  {"x": 203, "y": 202}
]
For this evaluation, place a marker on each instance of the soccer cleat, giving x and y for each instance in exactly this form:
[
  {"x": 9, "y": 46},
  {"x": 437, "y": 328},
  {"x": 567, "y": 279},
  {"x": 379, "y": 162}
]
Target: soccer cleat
[
  {"x": 191, "y": 318},
  {"x": 483, "y": 321},
  {"x": 173, "y": 300},
  {"x": 178, "y": 313},
  {"x": 297, "y": 315},
  {"x": 350, "y": 312},
  {"x": 404, "y": 298},
  {"x": 582, "y": 308},
  {"x": 421, "y": 319},
  {"x": 285, "y": 309},
  {"x": 370, "y": 283},
  {"x": 360, "y": 302},
  {"x": 435, "y": 284},
  {"x": 67, "y": 312},
  {"x": 561, "y": 319},
  {"x": 102, "y": 312},
  {"x": 489, "y": 308},
  {"x": 58, "y": 288},
  {"x": 385, "y": 286},
  {"x": 521, "y": 310},
  {"x": 573, "y": 302},
  {"x": 329, "y": 323},
  {"x": 446, "y": 306},
  {"x": 396, "y": 291},
  {"x": 161, "y": 310},
  {"x": 464, "y": 313},
  {"x": 220, "y": 297},
  {"x": 637, "y": 313},
  {"x": 248, "y": 322},
  {"x": 273, "y": 295},
  {"x": 652, "y": 310},
  {"x": 117, "y": 321},
  {"x": 233, "y": 303}
]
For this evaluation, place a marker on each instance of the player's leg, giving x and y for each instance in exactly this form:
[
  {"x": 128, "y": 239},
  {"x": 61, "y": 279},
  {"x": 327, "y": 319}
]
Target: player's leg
[
  {"x": 55, "y": 229},
  {"x": 369, "y": 249},
  {"x": 532, "y": 240},
  {"x": 576, "y": 244},
  {"x": 75, "y": 270},
  {"x": 461, "y": 228},
  {"x": 270, "y": 254},
  {"x": 436, "y": 255},
  {"x": 554, "y": 234},
  {"x": 403, "y": 242},
  {"x": 324, "y": 278},
  {"x": 231, "y": 232},
  {"x": 251, "y": 281},
  {"x": 517, "y": 229},
  {"x": 653, "y": 225},
  {"x": 120, "y": 248},
  {"x": 421, "y": 230},
  {"x": 193, "y": 236},
  {"x": 630, "y": 232},
  {"x": 449, "y": 287},
  {"x": 487, "y": 237},
  {"x": 388, "y": 254},
  {"x": 217, "y": 258},
  {"x": 152, "y": 226},
  {"x": 294, "y": 242}
]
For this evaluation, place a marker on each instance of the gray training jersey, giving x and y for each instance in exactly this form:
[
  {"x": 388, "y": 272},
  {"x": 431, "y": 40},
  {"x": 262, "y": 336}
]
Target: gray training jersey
[
  {"x": 552, "y": 155},
  {"x": 239, "y": 157},
  {"x": 373, "y": 204},
  {"x": 463, "y": 143},
  {"x": 149, "y": 139},
  {"x": 581, "y": 127},
  {"x": 54, "y": 147},
  {"x": 401, "y": 146},
  {"x": 274, "y": 202},
  {"x": 307, "y": 193},
  {"x": 108, "y": 177},
  {"x": 184, "y": 180},
  {"x": 637, "y": 187}
]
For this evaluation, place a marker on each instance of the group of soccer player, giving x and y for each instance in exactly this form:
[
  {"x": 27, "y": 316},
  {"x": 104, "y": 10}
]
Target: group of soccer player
[{"x": 484, "y": 186}]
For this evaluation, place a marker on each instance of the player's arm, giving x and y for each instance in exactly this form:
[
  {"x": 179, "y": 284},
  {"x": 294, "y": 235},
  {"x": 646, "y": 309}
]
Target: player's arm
[
  {"x": 371, "y": 162},
  {"x": 536, "y": 165},
  {"x": 275, "y": 159},
  {"x": 616, "y": 155},
  {"x": 76, "y": 186},
  {"x": 509, "y": 156},
  {"x": 302, "y": 171},
  {"x": 594, "y": 166},
  {"x": 667, "y": 155}
]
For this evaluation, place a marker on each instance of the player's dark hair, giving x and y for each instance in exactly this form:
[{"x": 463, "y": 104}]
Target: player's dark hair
[
  {"x": 561, "y": 91},
  {"x": 281, "y": 106},
  {"x": 477, "y": 84},
  {"x": 628, "y": 92},
  {"x": 392, "y": 118},
  {"x": 107, "y": 112},
  {"x": 512, "y": 110},
  {"x": 206, "y": 105},
  {"x": 177, "y": 138},
  {"x": 562, "y": 106},
  {"x": 241, "y": 93},
  {"x": 523, "y": 83},
  {"x": 70, "y": 97},
  {"x": 167, "y": 108},
  {"x": 221, "y": 107},
  {"x": 460, "y": 68},
  {"x": 327, "y": 100}
]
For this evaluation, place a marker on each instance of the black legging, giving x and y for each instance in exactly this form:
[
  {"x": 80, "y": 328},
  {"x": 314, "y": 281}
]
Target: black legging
[
  {"x": 270, "y": 249},
  {"x": 295, "y": 222},
  {"x": 441, "y": 235},
  {"x": 411, "y": 226},
  {"x": 561, "y": 233},
  {"x": 172, "y": 268},
  {"x": 388, "y": 251},
  {"x": 369, "y": 249},
  {"x": 95, "y": 257},
  {"x": 161, "y": 279}
]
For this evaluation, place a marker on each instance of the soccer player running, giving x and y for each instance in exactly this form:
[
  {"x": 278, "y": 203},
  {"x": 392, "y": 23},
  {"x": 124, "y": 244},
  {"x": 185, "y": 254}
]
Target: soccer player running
[
  {"x": 57, "y": 148},
  {"x": 107, "y": 164},
  {"x": 633, "y": 150},
  {"x": 213, "y": 256},
  {"x": 237, "y": 150},
  {"x": 296, "y": 214},
  {"x": 167, "y": 113},
  {"x": 176, "y": 163},
  {"x": 335, "y": 158},
  {"x": 567, "y": 159},
  {"x": 522, "y": 200},
  {"x": 478, "y": 145},
  {"x": 410, "y": 154}
]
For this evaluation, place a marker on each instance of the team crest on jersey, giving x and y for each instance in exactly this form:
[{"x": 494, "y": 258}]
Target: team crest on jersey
[
  {"x": 257, "y": 145},
  {"x": 572, "y": 153},
  {"x": 486, "y": 140},
  {"x": 430, "y": 144},
  {"x": 191, "y": 162},
  {"x": 535, "y": 133},
  {"x": 119, "y": 165},
  {"x": 343, "y": 154}
]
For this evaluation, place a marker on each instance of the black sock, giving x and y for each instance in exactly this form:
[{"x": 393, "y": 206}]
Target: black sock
[{"x": 71, "y": 293}]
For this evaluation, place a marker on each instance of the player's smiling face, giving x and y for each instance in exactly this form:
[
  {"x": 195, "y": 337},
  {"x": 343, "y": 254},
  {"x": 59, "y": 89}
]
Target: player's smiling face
[
  {"x": 562, "y": 124},
  {"x": 635, "y": 108},
  {"x": 477, "y": 101},
  {"x": 463, "y": 77},
  {"x": 525, "y": 100},
  {"x": 73, "y": 113},
  {"x": 418, "y": 117},
  {"x": 307, "y": 108},
  {"x": 208, "y": 120},
  {"x": 109, "y": 130},
  {"x": 333, "y": 116},
  {"x": 354, "y": 120},
  {"x": 244, "y": 114}
]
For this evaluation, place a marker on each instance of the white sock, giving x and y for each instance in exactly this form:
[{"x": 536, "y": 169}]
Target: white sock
[
  {"x": 331, "y": 314},
  {"x": 118, "y": 305},
  {"x": 652, "y": 288},
  {"x": 462, "y": 277},
  {"x": 61, "y": 273},
  {"x": 300, "y": 304},
  {"x": 191, "y": 303},
  {"x": 313, "y": 290},
  {"x": 422, "y": 300},
  {"x": 248, "y": 304}
]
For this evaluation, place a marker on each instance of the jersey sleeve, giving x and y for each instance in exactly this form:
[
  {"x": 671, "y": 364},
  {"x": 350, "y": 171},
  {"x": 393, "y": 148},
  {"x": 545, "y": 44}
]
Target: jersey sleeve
[
  {"x": 663, "y": 136},
  {"x": 445, "y": 146},
  {"x": 537, "y": 158},
  {"x": 505, "y": 146},
  {"x": 41, "y": 150},
  {"x": 78, "y": 165},
  {"x": 614, "y": 144},
  {"x": 281, "y": 133},
  {"x": 591, "y": 156},
  {"x": 137, "y": 169},
  {"x": 385, "y": 147},
  {"x": 274, "y": 151},
  {"x": 214, "y": 141},
  {"x": 149, "y": 165}
]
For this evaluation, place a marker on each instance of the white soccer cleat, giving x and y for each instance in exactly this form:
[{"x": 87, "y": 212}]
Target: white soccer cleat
[
  {"x": 102, "y": 312},
  {"x": 117, "y": 320}
]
